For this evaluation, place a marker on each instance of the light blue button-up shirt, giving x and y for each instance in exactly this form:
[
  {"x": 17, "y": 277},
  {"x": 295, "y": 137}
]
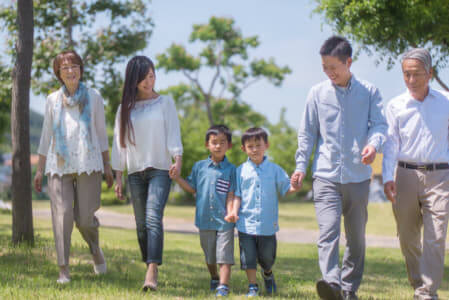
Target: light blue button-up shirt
[
  {"x": 340, "y": 122},
  {"x": 212, "y": 183},
  {"x": 258, "y": 187}
]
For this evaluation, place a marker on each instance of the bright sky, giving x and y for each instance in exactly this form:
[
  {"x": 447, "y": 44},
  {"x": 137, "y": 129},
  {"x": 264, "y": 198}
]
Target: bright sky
[{"x": 287, "y": 30}]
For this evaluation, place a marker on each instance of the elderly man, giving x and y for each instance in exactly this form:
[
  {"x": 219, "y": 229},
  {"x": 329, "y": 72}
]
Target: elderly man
[
  {"x": 343, "y": 121},
  {"x": 417, "y": 148}
]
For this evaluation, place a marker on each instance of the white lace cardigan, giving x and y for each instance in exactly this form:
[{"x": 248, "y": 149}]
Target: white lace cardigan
[{"x": 80, "y": 161}]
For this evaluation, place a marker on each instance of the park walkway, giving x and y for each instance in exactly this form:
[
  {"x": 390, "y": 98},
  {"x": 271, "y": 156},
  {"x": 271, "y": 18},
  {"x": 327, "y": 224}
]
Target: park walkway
[{"x": 287, "y": 235}]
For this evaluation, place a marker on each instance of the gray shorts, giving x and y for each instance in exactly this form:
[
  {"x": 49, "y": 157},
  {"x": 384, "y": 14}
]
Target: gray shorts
[{"x": 218, "y": 246}]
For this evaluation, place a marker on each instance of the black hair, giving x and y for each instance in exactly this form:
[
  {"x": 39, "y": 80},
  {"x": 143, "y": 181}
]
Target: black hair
[
  {"x": 256, "y": 133},
  {"x": 136, "y": 71},
  {"x": 337, "y": 46},
  {"x": 217, "y": 129}
]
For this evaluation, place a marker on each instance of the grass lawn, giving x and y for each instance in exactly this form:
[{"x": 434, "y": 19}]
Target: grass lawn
[
  {"x": 30, "y": 273},
  {"x": 291, "y": 215}
]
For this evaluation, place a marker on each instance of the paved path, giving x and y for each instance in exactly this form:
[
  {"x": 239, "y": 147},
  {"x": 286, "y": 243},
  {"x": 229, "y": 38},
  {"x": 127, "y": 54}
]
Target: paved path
[{"x": 288, "y": 235}]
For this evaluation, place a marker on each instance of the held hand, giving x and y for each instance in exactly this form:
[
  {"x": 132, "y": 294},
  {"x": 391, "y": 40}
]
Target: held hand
[
  {"x": 109, "y": 176},
  {"x": 38, "y": 181},
  {"x": 175, "y": 169},
  {"x": 297, "y": 179},
  {"x": 231, "y": 218},
  {"x": 118, "y": 188},
  {"x": 390, "y": 191},
  {"x": 368, "y": 154}
]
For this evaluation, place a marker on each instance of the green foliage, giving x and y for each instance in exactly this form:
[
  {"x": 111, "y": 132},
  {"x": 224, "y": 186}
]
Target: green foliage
[
  {"x": 390, "y": 27},
  {"x": 224, "y": 53},
  {"x": 104, "y": 33}
]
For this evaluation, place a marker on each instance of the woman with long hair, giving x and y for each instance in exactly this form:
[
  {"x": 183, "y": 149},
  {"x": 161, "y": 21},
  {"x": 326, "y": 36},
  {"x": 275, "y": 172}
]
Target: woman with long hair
[
  {"x": 74, "y": 152},
  {"x": 147, "y": 142}
]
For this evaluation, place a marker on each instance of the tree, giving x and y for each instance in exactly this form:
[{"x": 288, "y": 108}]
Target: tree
[
  {"x": 389, "y": 28},
  {"x": 104, "y": 33},
  {"x": 22, "y": 218},
  {"x": 225, "y": 57}
]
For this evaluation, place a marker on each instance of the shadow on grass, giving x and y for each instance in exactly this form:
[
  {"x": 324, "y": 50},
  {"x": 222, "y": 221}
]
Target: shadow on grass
[{"x": 183, "y": 273}]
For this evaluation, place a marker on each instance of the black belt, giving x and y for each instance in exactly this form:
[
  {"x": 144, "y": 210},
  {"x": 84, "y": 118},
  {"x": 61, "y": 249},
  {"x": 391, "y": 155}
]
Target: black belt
[{"x": 424, "y": 167}]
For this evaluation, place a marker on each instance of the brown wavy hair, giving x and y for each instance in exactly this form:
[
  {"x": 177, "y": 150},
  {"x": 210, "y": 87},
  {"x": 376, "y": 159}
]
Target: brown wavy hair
[{"x": 136, "y": 71}]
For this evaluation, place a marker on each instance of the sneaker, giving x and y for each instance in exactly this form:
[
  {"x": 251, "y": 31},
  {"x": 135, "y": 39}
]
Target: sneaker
[
  {"x": 222, "y": 291},
  {"x": 214, "y": 284},
  {"x": 349, "y": 295},
  {"x": 270, "y": 283},
  {"x": 328, "y": 291},
  {"x": 253, "y": 290}
]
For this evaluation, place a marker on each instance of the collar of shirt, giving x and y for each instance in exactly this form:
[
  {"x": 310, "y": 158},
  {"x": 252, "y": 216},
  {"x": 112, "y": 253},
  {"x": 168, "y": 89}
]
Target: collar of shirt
[
  {"x": 261, "y": 165},
  {"x": 431, "y": 93},
  {"x": 220, "y": 165},
  {"x": 347, "y": 88}
]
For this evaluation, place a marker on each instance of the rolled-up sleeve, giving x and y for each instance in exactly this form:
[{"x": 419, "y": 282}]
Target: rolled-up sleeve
[
  {"x": 377, "y": 124},
  {"x": 307, "y": 133},
  {"x": 172, "y": 127},
  {"x": 391, "y": 147},
  {"x": 100, "y": 122},
  {"x": 47, "y": 129},
  {"x": 118, "y": 155}
]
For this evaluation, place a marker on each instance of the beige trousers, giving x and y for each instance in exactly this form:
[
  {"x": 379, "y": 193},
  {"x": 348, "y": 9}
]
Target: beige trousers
[
  {"x": 76, "y": 198},
  {"x": 422, "y": 203}
]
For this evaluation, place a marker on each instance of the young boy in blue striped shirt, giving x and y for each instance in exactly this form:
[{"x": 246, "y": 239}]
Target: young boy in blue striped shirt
[
  {"x": 255, "y": 208},
  {"x": 213, "y": 182}
]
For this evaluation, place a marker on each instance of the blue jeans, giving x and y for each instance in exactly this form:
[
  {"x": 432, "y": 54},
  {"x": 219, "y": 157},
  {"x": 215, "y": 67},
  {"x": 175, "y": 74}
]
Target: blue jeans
[
  {"x": 149, "y": 194},
  {"x": 257, "y": 249}
]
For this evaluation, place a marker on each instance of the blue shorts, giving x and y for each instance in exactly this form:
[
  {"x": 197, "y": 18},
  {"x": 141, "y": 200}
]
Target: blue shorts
[{"x": 257, "y": 249}]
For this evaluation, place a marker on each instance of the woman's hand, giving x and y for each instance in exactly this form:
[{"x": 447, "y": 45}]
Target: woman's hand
[
  {"x": 118, "y": 185},
  {"x": 38, "y": 181},
  {"x": 175, "y": 169},
  {"x": 109, "y": 175}
]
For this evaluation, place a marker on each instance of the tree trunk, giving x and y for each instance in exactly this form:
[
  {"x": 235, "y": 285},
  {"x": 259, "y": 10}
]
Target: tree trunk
[
  {"x": 22, "y": 218},
  {"x": 71, "y": 44}
]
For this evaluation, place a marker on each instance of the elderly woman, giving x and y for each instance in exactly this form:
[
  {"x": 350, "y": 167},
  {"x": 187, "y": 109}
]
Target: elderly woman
[
  {"x": 74, "y": 151},
  {"x": 147, "y": 139}
]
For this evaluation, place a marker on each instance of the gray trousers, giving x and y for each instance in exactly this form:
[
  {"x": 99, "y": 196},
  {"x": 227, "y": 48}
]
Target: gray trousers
[
  {"x": 76, "y": 198},
  {"x": 332, "y": 200},
  {"x": 422, "y": 201}
]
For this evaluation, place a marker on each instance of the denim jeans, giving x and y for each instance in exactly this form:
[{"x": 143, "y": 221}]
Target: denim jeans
[
  {"x": 149, "y": 193},
  {"x": 257, "y": 249}
]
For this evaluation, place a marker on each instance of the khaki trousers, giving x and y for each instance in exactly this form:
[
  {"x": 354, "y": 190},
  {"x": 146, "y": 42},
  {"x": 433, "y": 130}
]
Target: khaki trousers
[
  {"x": 422, "y": 202},
  {"x": 76, "y": 198}
]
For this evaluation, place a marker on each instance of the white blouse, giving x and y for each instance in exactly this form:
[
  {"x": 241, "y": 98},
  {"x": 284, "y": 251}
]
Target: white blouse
[
  {"x": 157, "y": 137},
  {"x": 79, "y": 161}
]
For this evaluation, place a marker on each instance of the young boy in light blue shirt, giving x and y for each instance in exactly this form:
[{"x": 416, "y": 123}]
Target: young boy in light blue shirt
[
  {"x": 213, "y": 182},
  {"x": 255, "y": 208}
]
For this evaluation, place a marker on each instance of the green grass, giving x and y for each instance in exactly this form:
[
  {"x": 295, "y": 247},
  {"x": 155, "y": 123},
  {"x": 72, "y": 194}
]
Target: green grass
[{"x": 30, "y": 273}]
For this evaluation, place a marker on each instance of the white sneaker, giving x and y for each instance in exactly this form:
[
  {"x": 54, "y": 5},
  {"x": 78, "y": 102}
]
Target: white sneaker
[
  {"x": 63, "y": 280},
  {"x": 100, "y": 269}
]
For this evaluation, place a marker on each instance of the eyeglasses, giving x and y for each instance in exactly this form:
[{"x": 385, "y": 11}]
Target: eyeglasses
[
  {"x": 408, "y": 75},
  {"x": 72, "y": 67}
]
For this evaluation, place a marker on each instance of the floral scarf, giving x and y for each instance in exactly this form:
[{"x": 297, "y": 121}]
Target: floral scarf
[{"x": 82, "y": 100}]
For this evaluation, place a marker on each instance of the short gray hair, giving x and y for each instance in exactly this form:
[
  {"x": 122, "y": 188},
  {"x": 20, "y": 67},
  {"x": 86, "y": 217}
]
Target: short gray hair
[{"x": 420, "y": 54}]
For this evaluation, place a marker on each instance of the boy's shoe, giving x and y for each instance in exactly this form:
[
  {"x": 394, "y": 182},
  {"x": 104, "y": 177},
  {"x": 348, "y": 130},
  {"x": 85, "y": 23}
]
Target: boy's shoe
[
  {"x": 253, "y": 290},
  {"x": 270, "y": 283},
  {"x": 214, "y": 284},
  {"x": 222, "y": 291}
]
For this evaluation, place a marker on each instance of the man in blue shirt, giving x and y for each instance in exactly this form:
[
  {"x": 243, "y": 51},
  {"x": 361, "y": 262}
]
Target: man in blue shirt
[
  {"x": 258, "y": 182},
  {"x": 344, "y": 122},
  {"x": 213, "y": 182}
]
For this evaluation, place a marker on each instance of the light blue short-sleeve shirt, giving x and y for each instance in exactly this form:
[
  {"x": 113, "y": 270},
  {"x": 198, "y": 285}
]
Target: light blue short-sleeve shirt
[
  {"x": 258, "y": 187},
  {"x": 212, "y": 183}
]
